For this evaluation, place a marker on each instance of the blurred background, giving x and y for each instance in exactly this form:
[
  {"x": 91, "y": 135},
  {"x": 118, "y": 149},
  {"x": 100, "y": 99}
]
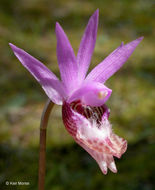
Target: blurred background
[{"x": 30, "y": 24}]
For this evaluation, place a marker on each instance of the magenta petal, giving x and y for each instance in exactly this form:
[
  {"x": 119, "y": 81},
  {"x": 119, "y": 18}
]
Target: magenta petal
[
  {"x": 113, "y": 62},
  {"x": 87, "y": 45},
  {"x": 92, "y": 94},
  {"x": 66, "y": 60},
  {"x": 49, "y": 82}
]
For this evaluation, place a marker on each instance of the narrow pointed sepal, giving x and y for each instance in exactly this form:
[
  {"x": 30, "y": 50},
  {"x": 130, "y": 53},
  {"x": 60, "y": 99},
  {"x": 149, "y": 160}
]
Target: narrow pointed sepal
[
  {"x": 49, "y": 82},
  {"x": 87, "y": 45},
  {"x": 66, "y": 60},
  {"x": 113, "y": 62}
]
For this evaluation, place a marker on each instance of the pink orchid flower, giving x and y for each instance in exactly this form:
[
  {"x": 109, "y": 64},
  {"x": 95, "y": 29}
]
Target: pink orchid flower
[{"x": 82, "y": 97}]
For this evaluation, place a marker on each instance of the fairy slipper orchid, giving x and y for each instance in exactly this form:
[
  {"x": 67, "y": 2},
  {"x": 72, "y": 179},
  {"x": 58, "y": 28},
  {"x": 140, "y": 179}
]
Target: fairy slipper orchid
[{"x": 82, "y": 97}]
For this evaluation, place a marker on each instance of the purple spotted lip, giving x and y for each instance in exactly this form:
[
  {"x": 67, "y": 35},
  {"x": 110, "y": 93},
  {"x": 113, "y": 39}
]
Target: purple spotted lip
[{"x": 82, "y": 97}]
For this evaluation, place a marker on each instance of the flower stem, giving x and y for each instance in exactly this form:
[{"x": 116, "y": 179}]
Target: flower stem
[{"x": 42, "y": 152}]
